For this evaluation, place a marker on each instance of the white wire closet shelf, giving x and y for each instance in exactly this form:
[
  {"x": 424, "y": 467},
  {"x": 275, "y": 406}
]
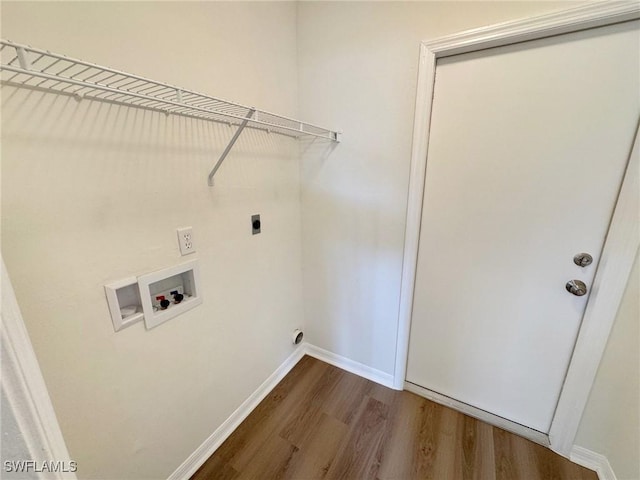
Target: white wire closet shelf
[{"x": 25, "y": 66}]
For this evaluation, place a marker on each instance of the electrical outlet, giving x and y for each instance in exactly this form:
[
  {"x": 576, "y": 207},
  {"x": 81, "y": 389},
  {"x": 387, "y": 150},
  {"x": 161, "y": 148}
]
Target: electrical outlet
[
  {"x": 185, "y": 240},
  {"x": 255, "y": 224}
]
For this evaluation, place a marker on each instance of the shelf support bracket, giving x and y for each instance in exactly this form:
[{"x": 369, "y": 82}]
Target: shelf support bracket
[
  {"x": 230, "y": 145},
  {"x": 23, "y": 59}
]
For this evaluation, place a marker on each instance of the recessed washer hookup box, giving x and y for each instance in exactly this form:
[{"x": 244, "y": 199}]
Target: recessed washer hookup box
[{"x": 167, "y": 293}]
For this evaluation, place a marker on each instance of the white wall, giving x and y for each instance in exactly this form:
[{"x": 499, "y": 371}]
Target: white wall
[
  {"x": 611, "y": 421},
  {"x": 93, "y": 193},
  {"x": 357, "y": 71},
  {"x": 358, "y": 64}
]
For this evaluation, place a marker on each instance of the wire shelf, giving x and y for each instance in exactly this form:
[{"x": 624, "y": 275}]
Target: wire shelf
[{"x": 25, "y": 66}]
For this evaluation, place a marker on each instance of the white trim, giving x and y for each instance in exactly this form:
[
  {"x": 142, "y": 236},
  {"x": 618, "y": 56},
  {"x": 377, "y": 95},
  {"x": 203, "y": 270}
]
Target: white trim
[
  {"x": 204, "y": 451},
  {"x": 597, "y": 14},
  {"x": 349, "y": 365},
  {"x": 614, "y": 268},
  {"x": 422, "y": 124},
  {"x": 593, "y": 461},
  {"x": 25, "y": 389},
  {"x": 622, "y": 240},
  {"x": 482, "y": 415}
]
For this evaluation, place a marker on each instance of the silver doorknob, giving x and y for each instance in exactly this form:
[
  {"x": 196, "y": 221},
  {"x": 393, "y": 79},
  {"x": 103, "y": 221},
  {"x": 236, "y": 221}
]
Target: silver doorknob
[
  {"x": 583, "y": 259},
  {"x": 577, "y": 287}
]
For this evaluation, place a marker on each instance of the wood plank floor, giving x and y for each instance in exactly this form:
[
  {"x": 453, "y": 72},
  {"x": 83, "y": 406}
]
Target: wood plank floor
[{"x": 321, "y": 422}]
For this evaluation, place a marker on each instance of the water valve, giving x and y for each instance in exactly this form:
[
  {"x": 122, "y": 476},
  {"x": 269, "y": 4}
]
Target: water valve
[{"x": 164, "y": 303}]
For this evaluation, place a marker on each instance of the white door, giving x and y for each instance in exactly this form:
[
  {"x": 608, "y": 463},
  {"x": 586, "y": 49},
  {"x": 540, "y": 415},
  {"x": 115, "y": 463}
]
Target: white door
[{"x": 527, "y": 150}]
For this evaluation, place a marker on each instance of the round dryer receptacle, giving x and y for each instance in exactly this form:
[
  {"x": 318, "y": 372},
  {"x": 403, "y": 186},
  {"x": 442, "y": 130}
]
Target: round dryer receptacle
[{"x": 297, "y": 337}]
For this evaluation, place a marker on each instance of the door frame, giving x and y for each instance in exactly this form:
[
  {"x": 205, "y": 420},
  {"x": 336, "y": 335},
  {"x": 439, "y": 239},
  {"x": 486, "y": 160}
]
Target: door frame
[
  {"x": 623, "y": 237},
  {"x": 26, "y": 392}
]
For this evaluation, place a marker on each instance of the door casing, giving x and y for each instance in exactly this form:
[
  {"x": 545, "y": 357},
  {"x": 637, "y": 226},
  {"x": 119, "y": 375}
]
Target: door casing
[
  {"x": 23, "y": 385},
  {"x": 623, "y": 237}
]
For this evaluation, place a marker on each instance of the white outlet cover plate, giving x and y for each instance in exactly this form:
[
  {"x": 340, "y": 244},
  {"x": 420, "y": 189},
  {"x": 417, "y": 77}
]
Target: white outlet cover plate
[{"x": 185, "y": 240}]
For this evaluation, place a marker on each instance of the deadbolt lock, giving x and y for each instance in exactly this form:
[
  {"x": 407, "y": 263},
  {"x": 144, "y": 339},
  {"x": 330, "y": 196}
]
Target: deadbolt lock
[
  {"x": 577, "y": 287},
  {"x": 583, "y": 259}
]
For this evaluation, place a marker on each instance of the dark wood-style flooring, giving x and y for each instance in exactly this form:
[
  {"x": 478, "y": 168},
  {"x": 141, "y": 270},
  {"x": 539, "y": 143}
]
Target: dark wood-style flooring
[{"x": 321, "y": 422}]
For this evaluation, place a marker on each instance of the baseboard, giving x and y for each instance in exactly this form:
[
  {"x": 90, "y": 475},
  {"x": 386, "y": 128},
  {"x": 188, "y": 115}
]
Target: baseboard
[
  {"x": 349, "y": 365},
  {"x": 592, "y": 461},
  {"x": 204, "y": 451}
]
